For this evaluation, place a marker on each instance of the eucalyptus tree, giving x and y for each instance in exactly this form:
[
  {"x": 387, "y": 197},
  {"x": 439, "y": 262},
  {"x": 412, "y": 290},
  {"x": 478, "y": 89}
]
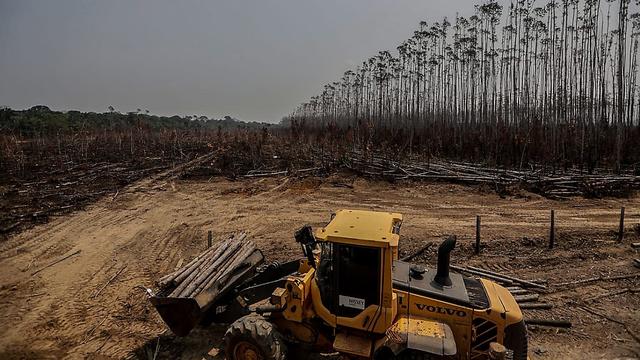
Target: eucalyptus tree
[{"x": 550, "y": 82}]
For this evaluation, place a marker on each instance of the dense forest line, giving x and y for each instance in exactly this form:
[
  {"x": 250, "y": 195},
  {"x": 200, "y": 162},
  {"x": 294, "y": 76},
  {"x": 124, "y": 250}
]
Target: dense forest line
[
  {"x": 42, "y": 121},
  {"x": 553, "y": 83}
]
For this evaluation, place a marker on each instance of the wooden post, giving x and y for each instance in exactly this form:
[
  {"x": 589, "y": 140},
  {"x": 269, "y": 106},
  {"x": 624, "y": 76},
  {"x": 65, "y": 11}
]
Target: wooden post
[
  {"x": 209, "y": 239},
  {"x": 477, "y": 234},
  {"x": 552, "y": 230},
  {"x": 621, "y": 230}
]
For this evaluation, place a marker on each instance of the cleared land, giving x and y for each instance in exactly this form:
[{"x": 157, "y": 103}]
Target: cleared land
[{"x": 91, "y": 304}]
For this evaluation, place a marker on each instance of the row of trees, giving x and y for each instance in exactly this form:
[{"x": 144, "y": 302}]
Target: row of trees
[
  {"x": 553, "y": 83},
  {"x": 41, "y": 121}
]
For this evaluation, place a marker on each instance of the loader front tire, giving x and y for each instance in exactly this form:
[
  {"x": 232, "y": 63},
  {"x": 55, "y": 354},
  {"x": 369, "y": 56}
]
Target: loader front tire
[{"x": 253, "y": 337}]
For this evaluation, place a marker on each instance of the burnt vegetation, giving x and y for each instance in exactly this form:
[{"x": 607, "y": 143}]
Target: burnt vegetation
[
  {"x": 534, "y": 95},
  {"x": 53, "y": 162}
]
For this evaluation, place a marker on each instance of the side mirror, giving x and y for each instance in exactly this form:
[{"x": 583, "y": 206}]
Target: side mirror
[{"x": 304, "y": 236}]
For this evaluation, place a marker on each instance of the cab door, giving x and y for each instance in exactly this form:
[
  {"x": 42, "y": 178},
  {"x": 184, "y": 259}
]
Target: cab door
[{"x": 356, "y": 279}]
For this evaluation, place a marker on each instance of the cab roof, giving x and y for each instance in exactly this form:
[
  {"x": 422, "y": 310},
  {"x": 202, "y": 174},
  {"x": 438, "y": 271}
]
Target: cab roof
[{"x": 364, "y": 228}]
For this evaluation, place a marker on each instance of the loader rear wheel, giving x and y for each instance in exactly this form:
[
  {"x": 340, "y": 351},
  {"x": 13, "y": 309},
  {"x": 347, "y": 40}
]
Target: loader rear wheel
[{"x": 253, "y": 337}]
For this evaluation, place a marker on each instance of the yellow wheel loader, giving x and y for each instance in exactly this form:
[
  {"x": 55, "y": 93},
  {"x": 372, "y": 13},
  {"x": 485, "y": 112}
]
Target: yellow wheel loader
[{"x": 351, "y": 295}]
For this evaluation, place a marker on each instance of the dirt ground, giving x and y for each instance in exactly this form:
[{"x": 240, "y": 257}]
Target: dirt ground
[{"x": 93, "y": 304}]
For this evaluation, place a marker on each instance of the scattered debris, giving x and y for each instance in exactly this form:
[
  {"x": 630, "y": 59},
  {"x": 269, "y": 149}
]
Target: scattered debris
[
  {"x": 109, "y": 282},
  {"x": 624, "y": 325},
  {"x": 417, "y": 253},
  {"x": 611, "y": 293},
  {"x": 57, "y": 261},
  {"x": 597, "y": 278}
]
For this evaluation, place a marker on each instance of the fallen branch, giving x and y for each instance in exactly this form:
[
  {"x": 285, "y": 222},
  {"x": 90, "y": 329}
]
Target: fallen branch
[
  {"x": 598, "y": 278},
  {"x": 57, "y": 261},
  {"x": 417, "y": 253},
  {"x": 90, "y": 332},
  {"x": 624, "y": 325},
  {"x": 109, "y": 282},
  {"x": 612, "y": 293}
]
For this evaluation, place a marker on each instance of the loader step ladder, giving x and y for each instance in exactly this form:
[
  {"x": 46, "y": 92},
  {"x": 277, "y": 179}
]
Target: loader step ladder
[{"x": 353, "y": 345}]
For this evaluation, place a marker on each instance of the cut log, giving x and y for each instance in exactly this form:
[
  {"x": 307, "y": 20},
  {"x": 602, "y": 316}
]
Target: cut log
[
  {"x": 196, "y": 287},
  {"x": 217, "y": 251},
  {"x": 482, "y": 274},
  {"x": 197, "y": 277},
  {"x": 519, "y": 292},
  {"x": 527, "y": 298},
  {"x": 204, "y": 262},
  {"x": 535, "y": 306},
  {"x": 229, "y": 268},
  {"x": 169, "y": 279},
  {"x": 522, "y": 282},
  {"x": 224, "y": 274},
  {"x": 190, "y": 272},
  {"x": 546, "y": 322}
]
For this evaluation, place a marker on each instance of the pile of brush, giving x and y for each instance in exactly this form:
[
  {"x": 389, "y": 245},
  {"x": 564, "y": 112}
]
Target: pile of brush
[{"x": 208, "y": 268}]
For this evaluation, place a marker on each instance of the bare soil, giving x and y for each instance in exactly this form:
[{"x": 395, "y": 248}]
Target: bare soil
[{"x": 93, "y": 304}]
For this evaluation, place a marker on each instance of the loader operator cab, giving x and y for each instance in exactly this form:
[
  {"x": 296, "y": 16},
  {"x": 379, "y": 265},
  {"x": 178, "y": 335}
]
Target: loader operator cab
[{"x": 354, "y": 271}]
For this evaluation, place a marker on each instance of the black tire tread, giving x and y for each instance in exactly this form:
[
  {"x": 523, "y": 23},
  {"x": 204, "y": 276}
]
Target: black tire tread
[{"x": 259, "y": 331}]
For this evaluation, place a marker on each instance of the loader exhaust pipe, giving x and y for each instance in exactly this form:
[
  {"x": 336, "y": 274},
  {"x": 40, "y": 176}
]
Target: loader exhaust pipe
[{"x": 444, "y": 251}]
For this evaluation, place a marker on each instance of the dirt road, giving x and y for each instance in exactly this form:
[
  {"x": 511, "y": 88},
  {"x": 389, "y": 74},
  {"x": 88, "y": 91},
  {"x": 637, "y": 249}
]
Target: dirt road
[{"x": 92, "y": 305}]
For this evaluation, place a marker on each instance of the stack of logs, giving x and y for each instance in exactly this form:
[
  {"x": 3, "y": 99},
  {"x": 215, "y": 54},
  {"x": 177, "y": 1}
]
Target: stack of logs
[
  {"x": 548, "y": 182},
  {"x": 208, "y": 268},
  {"x": 553, "y": 185}
]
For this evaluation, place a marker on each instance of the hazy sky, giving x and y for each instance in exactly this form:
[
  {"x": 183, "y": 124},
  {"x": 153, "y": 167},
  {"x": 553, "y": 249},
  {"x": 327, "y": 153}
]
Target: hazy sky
[{"x": 254, "y": 60}]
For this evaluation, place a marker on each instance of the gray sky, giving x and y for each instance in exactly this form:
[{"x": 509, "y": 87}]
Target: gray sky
[{"x": 251, "y": 59}]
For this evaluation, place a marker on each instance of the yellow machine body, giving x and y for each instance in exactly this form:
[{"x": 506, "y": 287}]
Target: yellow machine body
[{"x": 427, "y": 318}]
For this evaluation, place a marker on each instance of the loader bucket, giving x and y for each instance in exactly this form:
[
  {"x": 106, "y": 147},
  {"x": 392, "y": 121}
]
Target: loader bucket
[
  {"x": 180, "y": 314},
  {"x": 183, "y": 314}
]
